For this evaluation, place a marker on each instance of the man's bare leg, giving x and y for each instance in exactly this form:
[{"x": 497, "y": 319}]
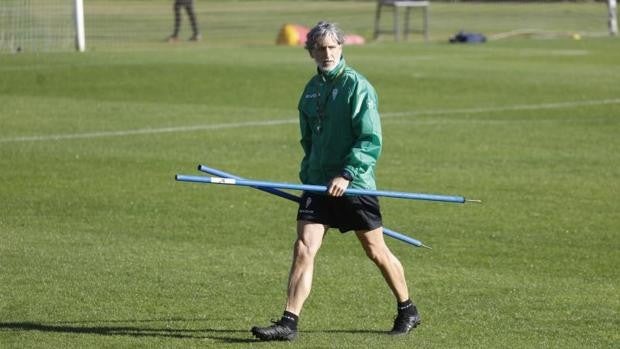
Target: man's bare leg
[
  {"x": 394, "y": 274},
  {"x": 309, "y": 240}
]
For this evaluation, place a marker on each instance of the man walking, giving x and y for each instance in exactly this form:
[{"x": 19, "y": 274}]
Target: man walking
[{"x": 341, "y": 140}]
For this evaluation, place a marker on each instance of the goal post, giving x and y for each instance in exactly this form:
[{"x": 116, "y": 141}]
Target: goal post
[
  {"x": 613, "y": 17},
  {"x": 80, "y": 32},
  {"x": 42, "y": 26}
]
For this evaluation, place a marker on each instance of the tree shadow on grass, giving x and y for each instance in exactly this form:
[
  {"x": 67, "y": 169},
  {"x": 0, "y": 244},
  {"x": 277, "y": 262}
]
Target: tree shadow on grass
[{"x": 221, "y": 335}]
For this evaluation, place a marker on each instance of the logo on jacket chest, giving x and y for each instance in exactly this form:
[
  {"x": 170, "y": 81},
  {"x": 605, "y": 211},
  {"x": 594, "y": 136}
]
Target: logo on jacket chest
[{"x": 334, "y": 94}]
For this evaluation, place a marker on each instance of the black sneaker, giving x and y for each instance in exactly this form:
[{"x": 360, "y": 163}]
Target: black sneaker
[
  {"x": 275, "y": 332},
  {"x": 404, "y": 323}
]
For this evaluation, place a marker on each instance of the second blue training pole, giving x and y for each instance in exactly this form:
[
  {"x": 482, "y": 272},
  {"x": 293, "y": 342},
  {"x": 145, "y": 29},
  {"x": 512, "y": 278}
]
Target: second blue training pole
[{"x": 391, "y": 233}]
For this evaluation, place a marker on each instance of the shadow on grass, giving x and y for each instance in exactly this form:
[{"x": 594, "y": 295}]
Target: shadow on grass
[
  {"x": 133, "y": 331},
  {"x": 82, "y": 327},
  {"x": 347, "y": 331}
]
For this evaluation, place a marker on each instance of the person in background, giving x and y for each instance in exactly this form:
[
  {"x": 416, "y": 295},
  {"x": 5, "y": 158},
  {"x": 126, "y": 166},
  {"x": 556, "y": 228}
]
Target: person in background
[
  {"x": 341, "y": 139},
  {"x": 189, "y": 8}
]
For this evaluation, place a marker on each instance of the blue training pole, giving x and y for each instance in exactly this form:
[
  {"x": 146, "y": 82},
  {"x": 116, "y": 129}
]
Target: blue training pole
[
  {"x": 320, "y": 188},
  {"x": 283, "y": 194},
  {"x": 223, "y": 174}
]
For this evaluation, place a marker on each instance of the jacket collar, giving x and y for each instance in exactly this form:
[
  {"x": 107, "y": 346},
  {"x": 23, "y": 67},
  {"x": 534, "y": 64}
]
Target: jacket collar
[{"x": 334, "y": 73}]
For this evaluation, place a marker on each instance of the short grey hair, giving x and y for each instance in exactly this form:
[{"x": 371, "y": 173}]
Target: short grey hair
[{"x": 321, "y": 30}]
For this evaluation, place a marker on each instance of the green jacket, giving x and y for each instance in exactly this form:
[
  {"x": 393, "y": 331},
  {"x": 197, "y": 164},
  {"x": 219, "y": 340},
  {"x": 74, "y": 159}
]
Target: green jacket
[{"x": 340, "y": 128}]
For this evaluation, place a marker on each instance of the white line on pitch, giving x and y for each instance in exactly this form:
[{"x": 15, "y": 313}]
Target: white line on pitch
[
  {"x": 558, "y": 105},
  {"x": 146, "y": 131}
]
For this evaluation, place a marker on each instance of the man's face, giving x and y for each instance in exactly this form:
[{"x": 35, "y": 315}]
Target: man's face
[{"x": 326, "y": 53}]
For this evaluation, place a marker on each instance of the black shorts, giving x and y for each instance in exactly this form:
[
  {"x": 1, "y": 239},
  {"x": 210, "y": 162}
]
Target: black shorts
[{"x": 348, "y": 212}]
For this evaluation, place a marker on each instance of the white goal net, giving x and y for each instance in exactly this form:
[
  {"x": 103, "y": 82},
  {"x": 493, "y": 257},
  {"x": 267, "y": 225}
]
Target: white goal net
[{"x": 37, "y": 25}]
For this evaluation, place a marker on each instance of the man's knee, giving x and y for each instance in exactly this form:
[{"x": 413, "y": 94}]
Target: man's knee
[
  {"x": 304, "y": 249},
  {"x": 309, "y": 239},
  {"x": 377, "y": 254}
]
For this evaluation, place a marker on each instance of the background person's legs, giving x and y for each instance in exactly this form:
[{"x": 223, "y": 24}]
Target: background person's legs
[
  {"x": 177, "y": 20},
  {"x": 189, "y": 7}
]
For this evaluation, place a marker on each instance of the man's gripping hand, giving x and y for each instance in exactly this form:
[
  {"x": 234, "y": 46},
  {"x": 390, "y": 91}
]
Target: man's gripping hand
[{"x": 337, "y": 186}]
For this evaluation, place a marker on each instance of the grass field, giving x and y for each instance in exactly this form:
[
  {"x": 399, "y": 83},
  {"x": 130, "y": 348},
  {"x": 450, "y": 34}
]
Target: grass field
[{"x": 101, "y": 248}]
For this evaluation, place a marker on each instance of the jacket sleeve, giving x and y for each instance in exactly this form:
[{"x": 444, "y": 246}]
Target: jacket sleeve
[{"x": 366, "y": 125}]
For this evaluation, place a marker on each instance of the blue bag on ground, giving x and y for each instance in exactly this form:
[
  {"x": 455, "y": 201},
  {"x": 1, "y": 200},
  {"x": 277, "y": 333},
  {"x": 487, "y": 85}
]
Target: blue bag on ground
[{"x": 464, "y": 37}]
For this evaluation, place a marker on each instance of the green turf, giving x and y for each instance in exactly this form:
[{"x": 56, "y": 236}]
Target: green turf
[{"x": 100, "y": 247}]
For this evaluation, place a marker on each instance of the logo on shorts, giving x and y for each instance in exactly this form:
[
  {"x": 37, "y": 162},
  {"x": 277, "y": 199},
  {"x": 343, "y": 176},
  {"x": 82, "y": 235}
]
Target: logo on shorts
[{"x": 308, "y": 201}]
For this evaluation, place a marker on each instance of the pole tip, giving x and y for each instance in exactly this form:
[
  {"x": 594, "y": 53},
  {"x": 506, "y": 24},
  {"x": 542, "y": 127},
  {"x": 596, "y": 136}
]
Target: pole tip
[
  {"x": 430, "y": 248},
  {"x": 476, "y": 201}
]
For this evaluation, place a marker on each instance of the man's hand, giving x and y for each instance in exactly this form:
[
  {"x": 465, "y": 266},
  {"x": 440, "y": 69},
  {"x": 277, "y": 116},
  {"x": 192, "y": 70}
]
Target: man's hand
[{"x": 337, "y": 186}]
